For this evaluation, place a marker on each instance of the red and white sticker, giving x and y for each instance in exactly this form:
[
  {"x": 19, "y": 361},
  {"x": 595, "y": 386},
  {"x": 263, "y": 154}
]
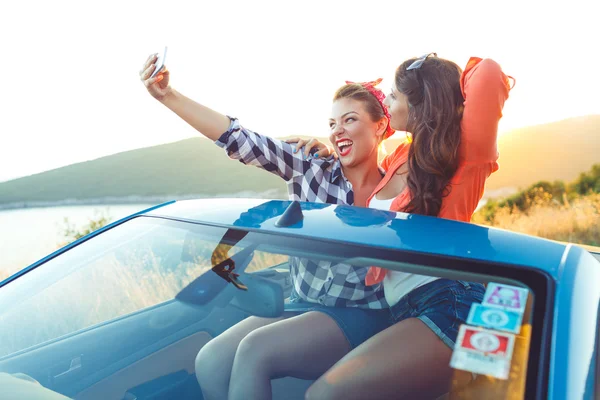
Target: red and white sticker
[{"x": 483, "y": 351}]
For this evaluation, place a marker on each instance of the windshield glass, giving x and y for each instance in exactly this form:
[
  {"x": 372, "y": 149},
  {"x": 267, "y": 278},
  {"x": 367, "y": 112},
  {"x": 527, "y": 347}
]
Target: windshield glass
[{"x": 148, "y": 285}]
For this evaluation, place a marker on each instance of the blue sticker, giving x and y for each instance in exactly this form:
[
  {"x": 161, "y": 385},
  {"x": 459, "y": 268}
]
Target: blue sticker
[{"x": 495, "y": 318}]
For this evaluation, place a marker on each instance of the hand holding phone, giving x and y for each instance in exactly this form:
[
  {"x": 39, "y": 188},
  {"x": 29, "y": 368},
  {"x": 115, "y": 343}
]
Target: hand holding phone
[
  {"x": 160, "y": 62},
  {"x": 157, "y": 81}
]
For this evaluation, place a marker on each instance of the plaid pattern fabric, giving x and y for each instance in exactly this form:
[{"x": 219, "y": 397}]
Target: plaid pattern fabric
[{"x": 313, "y": 180}]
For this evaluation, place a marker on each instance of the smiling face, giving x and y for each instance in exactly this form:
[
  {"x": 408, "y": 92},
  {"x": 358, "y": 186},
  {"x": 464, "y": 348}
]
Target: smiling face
[{"x": 354, "y": 134}]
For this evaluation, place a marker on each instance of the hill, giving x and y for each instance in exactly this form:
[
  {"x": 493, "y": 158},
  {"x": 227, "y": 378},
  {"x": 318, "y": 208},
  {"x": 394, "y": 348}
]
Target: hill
[
  {"x": 196, "y": 167},
  {"x": 555, "y": 151},
  {"x": 189, "y": 167}
]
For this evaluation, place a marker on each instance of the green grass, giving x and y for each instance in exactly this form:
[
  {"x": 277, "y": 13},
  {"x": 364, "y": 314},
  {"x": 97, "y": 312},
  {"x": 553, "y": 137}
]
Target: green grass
[{"x": 567, "y": 212}]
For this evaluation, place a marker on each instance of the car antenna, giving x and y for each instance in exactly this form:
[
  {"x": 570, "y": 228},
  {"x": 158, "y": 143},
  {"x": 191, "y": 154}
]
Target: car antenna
[{"x": 292, "y": 215}]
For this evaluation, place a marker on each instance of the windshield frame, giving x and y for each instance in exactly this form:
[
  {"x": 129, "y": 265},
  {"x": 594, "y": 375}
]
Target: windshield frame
[{"x": 539, "y": 282}]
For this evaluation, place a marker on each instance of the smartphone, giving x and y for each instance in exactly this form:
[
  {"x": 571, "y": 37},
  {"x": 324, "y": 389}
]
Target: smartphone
[{"x": 160, "y": 62}]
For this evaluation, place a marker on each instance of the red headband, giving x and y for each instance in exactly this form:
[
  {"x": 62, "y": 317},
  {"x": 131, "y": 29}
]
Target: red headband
[{"x": 370, "y": 86}]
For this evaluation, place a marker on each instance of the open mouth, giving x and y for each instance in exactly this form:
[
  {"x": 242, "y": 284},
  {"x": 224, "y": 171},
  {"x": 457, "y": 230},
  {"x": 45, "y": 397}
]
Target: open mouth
[{"x": 345, "y": 146}]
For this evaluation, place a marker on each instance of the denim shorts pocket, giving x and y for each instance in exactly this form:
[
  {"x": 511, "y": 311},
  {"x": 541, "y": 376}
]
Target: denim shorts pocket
[
  {"x": 439, "y": 301},
  {"x": 438, "y": 310}
]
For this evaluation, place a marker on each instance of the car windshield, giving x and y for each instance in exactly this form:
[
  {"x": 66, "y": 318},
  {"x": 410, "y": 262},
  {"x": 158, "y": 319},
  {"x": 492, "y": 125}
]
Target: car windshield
[{"x": 133, "y": 296}]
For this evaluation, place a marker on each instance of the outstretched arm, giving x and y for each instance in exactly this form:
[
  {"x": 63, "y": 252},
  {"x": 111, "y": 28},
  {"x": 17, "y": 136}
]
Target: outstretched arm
[
  {"x": 206, "y": 121},
  {"x": 241, "y": 144}
]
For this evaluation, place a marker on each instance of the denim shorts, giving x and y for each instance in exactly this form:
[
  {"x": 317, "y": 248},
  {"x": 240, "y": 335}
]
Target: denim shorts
[
  {"x": 357, "y": 324},
  {"x": 443, "y": 305}
]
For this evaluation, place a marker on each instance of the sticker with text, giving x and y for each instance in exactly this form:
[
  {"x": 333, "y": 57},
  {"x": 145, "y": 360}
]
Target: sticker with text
[
  {"x": 495, "y": 318},
  {"x": 483, "y": 351},
  {"x": 509, "y": 297}
]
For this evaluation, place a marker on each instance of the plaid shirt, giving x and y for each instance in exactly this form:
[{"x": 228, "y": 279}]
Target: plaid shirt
[{"x": 312, "y": 180}]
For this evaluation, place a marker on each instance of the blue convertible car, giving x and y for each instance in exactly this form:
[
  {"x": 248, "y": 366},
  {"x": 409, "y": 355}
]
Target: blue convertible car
[{"x": 122, "y": 312}]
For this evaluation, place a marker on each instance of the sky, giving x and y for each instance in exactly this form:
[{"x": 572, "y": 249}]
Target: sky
[{"x": 71, "y": 90}]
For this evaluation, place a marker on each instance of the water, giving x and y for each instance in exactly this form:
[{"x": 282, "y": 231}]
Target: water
[{"x": 26, "y": 235}]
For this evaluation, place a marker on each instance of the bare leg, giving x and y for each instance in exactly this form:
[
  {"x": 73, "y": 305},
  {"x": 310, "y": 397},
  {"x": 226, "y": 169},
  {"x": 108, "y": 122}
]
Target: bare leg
[
  {"x": 304, "y": 346},
  {"x": 405, "y": 361},
  {"x": 215, "y": 359}
]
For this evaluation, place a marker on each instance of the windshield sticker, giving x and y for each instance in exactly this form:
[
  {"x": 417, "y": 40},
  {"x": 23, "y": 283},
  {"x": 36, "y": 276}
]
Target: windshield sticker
[
  {"x": 508, "y": 297},
  {"x": 483, "y": 351},
  {"x": 495, "y": 318}
]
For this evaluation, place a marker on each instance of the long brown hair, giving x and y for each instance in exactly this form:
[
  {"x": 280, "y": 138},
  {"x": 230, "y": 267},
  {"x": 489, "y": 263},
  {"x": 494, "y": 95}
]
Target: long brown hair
[{"x": 435, "y": 111}]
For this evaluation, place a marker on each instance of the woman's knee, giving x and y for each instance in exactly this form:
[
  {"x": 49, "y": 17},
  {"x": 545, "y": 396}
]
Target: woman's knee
[
  {"x": 256, "y": 350},
  {"x": 201, "y": 360},
  {"x": 213, "y": 366}
]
